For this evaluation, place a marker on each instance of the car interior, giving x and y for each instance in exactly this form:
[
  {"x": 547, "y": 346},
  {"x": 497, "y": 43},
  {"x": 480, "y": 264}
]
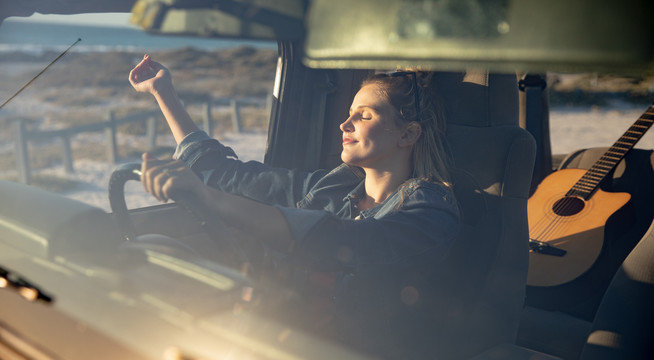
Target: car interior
[{"x": 478, "y": 304}]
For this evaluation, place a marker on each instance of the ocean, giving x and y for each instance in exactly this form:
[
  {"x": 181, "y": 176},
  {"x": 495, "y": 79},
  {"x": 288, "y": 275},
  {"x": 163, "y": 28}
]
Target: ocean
[{"x": 37, "y": 37}]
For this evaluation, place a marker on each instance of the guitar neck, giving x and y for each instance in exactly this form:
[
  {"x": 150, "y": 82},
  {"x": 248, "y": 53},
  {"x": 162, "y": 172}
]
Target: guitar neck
[{"x": 585, "y": 187}]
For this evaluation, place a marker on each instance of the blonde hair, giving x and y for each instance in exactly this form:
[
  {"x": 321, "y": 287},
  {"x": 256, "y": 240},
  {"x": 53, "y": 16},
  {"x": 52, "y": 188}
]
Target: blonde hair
[{"x": 430, "y": 160}]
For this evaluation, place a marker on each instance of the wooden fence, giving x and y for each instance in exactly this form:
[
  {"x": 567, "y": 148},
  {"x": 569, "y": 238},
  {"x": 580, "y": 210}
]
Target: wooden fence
[{"x": 23, "y": 136}]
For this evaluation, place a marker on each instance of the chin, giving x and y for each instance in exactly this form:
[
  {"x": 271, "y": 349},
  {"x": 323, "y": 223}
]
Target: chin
[
  {"x": 344, "y": 158},
  {"x": 348, "y": 160},
  {"x": 352, "y": 159}
]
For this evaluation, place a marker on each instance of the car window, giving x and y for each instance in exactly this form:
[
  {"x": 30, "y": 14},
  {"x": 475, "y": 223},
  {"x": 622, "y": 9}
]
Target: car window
[
  {"x": 592, "y": 110},
  {"x": 225, "y": 84}
]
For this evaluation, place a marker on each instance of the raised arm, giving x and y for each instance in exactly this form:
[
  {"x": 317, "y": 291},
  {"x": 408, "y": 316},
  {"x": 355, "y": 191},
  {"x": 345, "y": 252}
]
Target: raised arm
[{"x": 151, "y": 77}]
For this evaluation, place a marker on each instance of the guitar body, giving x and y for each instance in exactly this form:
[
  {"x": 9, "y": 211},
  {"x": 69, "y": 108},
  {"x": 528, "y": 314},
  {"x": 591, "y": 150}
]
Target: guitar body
[{"x": 579, "y": 230}]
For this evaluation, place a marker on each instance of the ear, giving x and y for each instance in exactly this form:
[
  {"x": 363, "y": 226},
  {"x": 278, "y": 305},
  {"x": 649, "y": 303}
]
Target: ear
[{"x": 410, "y": 135}]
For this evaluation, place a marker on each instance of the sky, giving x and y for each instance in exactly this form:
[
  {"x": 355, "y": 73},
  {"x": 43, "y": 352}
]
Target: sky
[{"x": 103, "y": 19}]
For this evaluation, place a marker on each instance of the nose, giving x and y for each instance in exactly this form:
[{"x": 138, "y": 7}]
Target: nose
[{"x": 347, "y": 125}]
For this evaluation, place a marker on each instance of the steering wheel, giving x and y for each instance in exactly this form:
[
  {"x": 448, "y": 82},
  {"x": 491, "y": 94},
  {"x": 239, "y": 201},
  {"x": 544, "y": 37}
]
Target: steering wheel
[
  {"x": 272, "y": 277},
  {"x": 119, "y": 177},
  {"x": 215, "y": 227}
]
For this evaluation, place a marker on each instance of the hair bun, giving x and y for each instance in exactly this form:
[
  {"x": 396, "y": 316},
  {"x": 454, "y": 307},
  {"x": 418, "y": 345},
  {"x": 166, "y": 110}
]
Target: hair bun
[{"x": 423, "y": 78}]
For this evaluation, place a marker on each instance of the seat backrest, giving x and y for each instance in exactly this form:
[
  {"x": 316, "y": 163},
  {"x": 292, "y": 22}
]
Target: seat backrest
[
  {"x": 624, "y": 324},
  {"x": 481, "y": 284}
]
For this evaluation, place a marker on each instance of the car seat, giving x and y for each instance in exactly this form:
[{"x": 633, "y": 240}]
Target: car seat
[
  {"x": 479, "y": 288},
  {"x": 623, "y": 327},
  {"x": 624, "y": 324}
]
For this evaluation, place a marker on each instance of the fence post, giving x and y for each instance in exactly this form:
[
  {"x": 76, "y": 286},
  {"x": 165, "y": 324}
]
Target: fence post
[
  {"x": 236, "y": 115},
  {"x": 22, "y": 156},
  {"x": 68, "y": 155},
  {"x": 207, "y": 119},
  {"x": 151, "y": 131},
  {"x": 110, "y": 133}
]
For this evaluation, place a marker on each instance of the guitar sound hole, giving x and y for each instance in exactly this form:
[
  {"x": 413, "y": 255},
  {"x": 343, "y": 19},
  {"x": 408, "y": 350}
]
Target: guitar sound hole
[{"x": 568, "y": 206}]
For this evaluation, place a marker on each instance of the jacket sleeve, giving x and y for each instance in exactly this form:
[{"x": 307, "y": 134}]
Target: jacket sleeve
[{"x": 218, "y": 166}]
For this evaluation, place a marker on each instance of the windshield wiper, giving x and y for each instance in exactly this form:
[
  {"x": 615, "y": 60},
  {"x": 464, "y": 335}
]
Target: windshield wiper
[{"x": 12, "y": 281}]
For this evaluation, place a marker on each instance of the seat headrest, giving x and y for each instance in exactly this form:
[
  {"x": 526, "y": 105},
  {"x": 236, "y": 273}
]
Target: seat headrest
[{"x": 479, "y": 99}]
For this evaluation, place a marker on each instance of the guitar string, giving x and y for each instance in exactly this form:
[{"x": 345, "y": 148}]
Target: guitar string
[
  {"x": 554, "y": 228},
  {"x": 548, "y": 229}
]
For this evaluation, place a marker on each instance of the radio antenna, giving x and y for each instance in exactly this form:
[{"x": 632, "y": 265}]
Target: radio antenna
[{"x": 39, "y": 74}]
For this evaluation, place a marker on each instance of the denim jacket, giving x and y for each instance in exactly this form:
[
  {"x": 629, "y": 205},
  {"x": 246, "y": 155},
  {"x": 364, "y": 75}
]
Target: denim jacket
[{"x": 375, "y": 251}]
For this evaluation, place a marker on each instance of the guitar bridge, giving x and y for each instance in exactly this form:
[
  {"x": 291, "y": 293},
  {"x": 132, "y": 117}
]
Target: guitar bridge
[{"x": 545, "y": 248}]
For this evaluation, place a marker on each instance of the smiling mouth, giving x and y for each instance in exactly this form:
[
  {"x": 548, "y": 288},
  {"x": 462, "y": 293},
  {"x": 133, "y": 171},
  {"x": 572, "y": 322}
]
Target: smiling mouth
[{"x": 348, "y": 141}]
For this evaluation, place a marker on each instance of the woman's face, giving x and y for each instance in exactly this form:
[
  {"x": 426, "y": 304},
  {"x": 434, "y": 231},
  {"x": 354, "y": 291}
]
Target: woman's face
[{"x": 371, "y": 134}]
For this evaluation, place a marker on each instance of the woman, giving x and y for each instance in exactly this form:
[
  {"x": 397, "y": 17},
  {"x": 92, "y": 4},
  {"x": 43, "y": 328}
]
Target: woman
[{"x": 381, "y": 220}]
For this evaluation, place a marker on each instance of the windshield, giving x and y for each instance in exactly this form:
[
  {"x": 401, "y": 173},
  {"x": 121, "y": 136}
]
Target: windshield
[
  {"x": 184, "y": 286},
  {"x": 60, "y": 122}
]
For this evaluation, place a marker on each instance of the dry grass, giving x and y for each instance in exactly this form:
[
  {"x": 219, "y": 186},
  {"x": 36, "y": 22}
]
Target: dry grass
[
  {"x": 597, "y": 89},
  {"x": 83, "y": 87}
]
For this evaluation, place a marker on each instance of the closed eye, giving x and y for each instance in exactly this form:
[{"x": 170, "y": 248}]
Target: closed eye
[
  {"x": 366, "y": 115},
  {"x": 363, "y": 114},
  {"x": 362, "y": 117}
]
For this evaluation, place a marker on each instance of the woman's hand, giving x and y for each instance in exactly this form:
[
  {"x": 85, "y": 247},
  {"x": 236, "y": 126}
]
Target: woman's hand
[
  {"x": 166, "y": 178},
  {"x": 150, "y": 77}
]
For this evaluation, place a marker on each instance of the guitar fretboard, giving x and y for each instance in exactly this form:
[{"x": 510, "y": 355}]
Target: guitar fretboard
[{"x": 585, "y": 187}]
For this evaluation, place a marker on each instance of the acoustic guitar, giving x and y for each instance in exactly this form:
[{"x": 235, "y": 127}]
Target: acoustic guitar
[{"x": 567, "y": 214}]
